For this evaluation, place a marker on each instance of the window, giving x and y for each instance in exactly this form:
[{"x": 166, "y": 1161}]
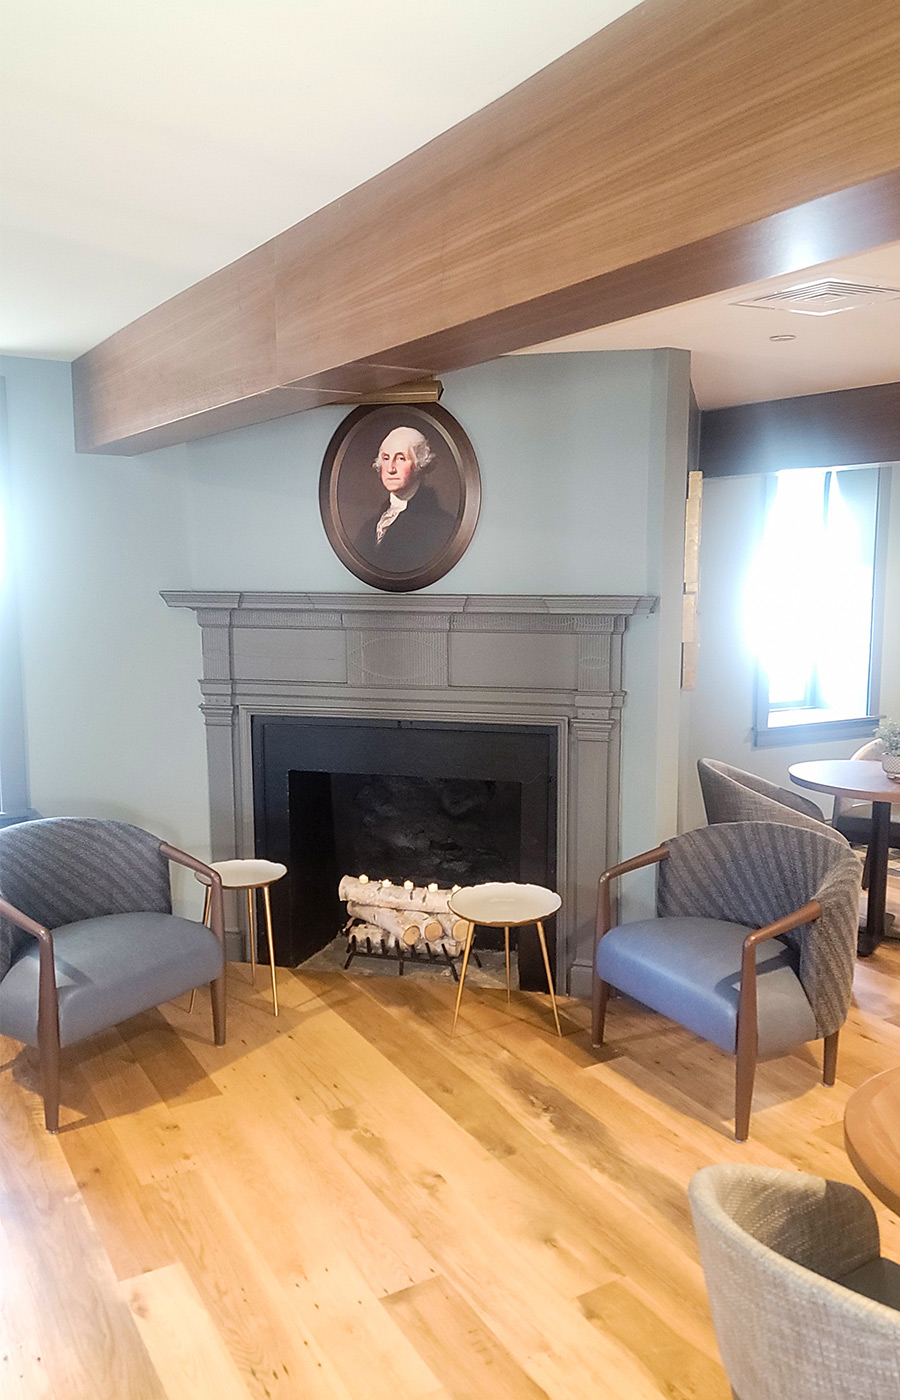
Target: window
[{"x": 811, "y": 605}]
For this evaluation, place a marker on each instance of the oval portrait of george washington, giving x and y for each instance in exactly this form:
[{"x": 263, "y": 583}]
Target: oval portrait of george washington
[{"x": 400, "y": 493}]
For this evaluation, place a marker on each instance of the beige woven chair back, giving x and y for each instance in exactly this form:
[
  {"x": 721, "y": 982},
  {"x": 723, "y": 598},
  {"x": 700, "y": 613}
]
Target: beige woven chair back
[
  {"x": 731, "y": 795},
  {"x": 850, "y": 806},
  {"x": 773, "y": 1245}
]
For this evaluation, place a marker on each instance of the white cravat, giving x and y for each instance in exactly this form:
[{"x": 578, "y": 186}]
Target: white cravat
[{"x": 395, "y": 508}]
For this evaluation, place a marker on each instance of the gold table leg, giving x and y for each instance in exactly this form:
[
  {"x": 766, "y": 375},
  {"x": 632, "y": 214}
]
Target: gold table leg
[
  {"x": 462, "y": 973},
  {"x": 271, "y": 946},
  {"x": 506, "y": 940},
  {"x": 251, "y": 909},
  {"x": 543, "y": 942}
]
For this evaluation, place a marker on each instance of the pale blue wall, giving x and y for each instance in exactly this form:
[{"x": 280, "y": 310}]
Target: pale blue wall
[
  {"x": 564, "y": 443},
  {"x": 577, "y": 453}
]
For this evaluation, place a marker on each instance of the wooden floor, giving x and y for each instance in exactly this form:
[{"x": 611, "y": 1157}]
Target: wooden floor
[{"x": 347, "y": 1204}]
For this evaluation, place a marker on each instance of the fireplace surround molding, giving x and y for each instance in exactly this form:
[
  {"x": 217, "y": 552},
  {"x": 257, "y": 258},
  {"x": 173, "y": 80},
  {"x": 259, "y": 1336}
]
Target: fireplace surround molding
[{"x": 553, "y": 660}]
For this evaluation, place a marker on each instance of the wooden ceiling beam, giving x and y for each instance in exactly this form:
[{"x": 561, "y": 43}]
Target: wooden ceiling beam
[{"x": 691, "y": 146}]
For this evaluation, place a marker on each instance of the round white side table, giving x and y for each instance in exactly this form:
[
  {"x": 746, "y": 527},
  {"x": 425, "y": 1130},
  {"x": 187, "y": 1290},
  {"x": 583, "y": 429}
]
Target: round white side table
[
  {"x": 506, "y": 906},
  {"x": 249, "y": 875}
]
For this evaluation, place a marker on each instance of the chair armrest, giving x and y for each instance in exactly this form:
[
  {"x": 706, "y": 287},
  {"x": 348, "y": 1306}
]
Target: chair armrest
[
  {"x": 746, "y": 1016},
  {"x": 22, "y": 921},
  {"x": 216, "y": 908},
  {"x": 604, "y": 917},
  {"x": 48, "y": 1000}
]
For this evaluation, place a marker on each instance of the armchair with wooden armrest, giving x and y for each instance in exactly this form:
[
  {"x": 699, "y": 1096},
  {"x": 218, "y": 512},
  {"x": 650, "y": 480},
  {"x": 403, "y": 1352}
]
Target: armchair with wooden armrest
[
  {"x": 753, "y": 946},
  {"x": 88, "y": 937}
]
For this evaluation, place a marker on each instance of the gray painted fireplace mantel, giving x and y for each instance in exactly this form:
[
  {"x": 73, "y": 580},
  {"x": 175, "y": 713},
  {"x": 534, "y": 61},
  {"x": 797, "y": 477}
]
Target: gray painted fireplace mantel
[{"x": 553, "y": 661}]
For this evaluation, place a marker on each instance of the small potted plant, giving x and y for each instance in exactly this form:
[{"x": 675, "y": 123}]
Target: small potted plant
[{"x": 888, "y": 732}]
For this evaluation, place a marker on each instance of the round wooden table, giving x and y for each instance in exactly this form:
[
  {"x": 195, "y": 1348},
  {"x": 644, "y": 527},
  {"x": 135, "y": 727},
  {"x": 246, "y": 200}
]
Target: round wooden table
[
  {"x": 872, "y": 1135},
  {"x": 865, "y": 779}
]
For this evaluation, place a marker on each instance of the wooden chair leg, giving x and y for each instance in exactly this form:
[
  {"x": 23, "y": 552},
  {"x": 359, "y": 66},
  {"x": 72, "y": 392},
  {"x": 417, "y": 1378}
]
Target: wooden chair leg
[
  {"x": 48, "y": 1044},
  {"x": 268, "y": 908},
  {"x": 599, "y": 998},
  {"x": 462, "y": 973},
  {"x": 543, "y": 942},
  {"x": 217, "y": 993},
  {"x": 829, "y": 1058},
  {"x": 49, "y": 1057},
  {"x": 745, "y": 1073}
]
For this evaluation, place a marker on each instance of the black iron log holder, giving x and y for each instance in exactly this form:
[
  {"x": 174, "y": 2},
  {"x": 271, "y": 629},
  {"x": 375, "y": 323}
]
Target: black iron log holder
[{"x": 398, "y": 953}]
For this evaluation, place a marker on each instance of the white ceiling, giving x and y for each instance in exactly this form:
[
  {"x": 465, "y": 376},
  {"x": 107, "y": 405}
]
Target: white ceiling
[
  {"x": 146, "y": 143},
  {"x": 733, "y": 356}
]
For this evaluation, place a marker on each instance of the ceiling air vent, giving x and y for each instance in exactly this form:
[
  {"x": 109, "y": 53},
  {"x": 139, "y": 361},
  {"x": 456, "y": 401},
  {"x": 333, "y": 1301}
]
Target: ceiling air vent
[{"x": 824, "y": 298}]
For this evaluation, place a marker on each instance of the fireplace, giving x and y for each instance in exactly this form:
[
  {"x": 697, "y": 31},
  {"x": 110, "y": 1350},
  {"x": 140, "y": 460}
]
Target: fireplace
[
  {"x": 403, "y": 800},
  {"x": 399, "y": 669}
]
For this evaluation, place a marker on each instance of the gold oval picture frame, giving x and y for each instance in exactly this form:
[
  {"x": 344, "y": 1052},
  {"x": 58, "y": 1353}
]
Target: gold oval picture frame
[{"x": 400, "y": 493}]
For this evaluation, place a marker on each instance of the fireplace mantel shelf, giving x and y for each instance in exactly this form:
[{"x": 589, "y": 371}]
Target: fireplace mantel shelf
[{"x": 562, "y": 604}]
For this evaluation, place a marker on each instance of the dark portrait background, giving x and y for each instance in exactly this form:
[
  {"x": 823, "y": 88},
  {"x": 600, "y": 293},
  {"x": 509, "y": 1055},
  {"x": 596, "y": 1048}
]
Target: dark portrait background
[
  {"x": 360, "y": 494},
  {"x": 441, "y": 515}
]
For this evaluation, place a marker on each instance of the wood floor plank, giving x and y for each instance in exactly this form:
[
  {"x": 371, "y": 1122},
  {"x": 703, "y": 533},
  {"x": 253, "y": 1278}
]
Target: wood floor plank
[
  {"x": 458, "y": 1347},
  {"x": 167, "y": 1061},
  {"x": 682, "y": 1371},
  {"x": 502, "y": 1270},
  {"x": 178, "y": 1332},
  {"x": 149, "y": 1133},
  {"x": 112, "y": 1193},
  {"x": 78, "y": 1331},
  {"x": 267, "y": 1338},
  {"x": 23, "y": 1370},
  {"x": 267, "y": 1153}
]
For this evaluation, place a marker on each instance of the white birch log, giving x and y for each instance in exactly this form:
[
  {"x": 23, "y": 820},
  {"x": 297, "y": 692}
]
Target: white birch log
[
  {"x": 390, "y": 921},
  {"x": 432, "y": 927},
  {"x": 377, "y": 895},
  {"x": 413, "y": 929}
]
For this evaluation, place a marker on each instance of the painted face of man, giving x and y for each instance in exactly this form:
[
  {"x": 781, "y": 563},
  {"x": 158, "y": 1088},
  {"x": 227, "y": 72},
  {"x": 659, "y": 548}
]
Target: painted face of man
[{"x": 397, "y": 462}]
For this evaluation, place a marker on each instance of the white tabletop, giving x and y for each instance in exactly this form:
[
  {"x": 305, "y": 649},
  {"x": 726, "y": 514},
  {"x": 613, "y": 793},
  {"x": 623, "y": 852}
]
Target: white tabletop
[{"x": 498, "y": 904}]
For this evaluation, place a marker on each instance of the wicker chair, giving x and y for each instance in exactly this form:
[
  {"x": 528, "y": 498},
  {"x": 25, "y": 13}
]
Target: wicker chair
[
  {"x": 753, "y": 947},
  {"x": 88, "y": 937},
  {"x": 731, "y": 795},
  {"x": 804, "y": 1306}
]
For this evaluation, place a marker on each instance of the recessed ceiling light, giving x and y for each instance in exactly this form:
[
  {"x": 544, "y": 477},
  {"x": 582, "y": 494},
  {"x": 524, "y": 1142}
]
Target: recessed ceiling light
[{"x": 782, "y": 337}]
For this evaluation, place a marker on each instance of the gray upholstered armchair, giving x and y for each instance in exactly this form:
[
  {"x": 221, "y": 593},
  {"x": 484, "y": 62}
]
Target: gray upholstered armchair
[
  {"x": 753, "y": 947},
  {"x": 88, "y": 937},
  {"x": 731, "y": 795},
  {"x": 803, "y": 1304}
]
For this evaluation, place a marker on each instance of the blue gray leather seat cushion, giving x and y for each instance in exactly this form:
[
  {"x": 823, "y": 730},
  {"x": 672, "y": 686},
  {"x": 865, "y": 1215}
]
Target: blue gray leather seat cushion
[
  {"x": 108, "y": 969},
  {"x": 690, "y": 970}
]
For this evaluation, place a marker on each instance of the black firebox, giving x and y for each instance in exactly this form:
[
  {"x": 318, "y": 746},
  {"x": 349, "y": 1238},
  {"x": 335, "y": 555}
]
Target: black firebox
[{"x": 400, "y": 799}]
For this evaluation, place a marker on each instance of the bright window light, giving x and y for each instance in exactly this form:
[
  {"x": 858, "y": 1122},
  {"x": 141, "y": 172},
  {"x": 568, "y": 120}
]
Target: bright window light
[{"x": 809, "y": 596}]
